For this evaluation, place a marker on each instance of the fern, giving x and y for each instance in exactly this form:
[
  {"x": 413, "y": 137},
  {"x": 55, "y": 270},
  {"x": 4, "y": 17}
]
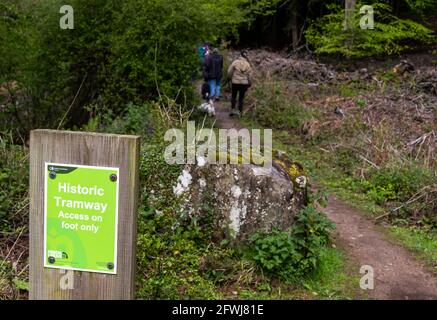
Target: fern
[{"x": 391, "y": 35}]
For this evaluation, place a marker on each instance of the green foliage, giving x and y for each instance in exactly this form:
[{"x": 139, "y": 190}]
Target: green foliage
[
  {"x": 14, "y": 172},
  {"x": 425, "y": 8},
  {"x": 11, "y": 285},
  {"x": 119, "y": 52},
  {"x": 345, "y": 159},
  {"x": 170, "y": 246},
  {"x": 265, "y": 7},
  {"x": 420, "y": 241},
  {"x": 275, "y": 251},
  {"x": 16, "y": 51},
  {"x": 398, "y": 183},
  {"x": 134, "y": 119},
  {"x": 155, "y": 51},
  {"x": 379, "y": 193},
  {"x": 328, "y": 280},
  {"x": 274, "y": 110},
  {"x": 157, "y": 182},
  {"x": 169, "y": 259},
  {"x": 391, "y": 35},
  {"x": 393, "y": 186},
  {"x": 293, "y": 254}
]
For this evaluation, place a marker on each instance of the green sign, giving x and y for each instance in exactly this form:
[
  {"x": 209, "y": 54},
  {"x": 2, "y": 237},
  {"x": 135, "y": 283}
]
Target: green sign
[{"x": 81, "y": 215}]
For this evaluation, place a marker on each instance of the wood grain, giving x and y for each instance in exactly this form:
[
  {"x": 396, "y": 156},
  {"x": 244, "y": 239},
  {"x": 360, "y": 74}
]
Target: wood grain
[{"x": 93, "y": 150}]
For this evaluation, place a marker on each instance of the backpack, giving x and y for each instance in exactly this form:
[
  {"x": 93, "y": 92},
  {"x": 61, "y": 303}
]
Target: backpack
[
  {"x": 206, "y": 91},
  {"x": 201, "y": 51}
]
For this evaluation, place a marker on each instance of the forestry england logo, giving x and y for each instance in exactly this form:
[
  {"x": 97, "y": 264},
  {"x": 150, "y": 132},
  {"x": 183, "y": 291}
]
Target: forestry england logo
[{"x": 201, "y": 146}]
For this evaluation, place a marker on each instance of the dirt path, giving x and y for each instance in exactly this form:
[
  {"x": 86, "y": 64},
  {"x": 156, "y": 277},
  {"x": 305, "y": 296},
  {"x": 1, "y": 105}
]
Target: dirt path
[
  {"x": 397, "y": 274},
  {"x": 224, "y": 121}
]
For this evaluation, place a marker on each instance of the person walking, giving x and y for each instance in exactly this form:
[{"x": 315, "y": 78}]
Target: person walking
[
  {"x": 213, "y": 72},
  {"x": 240, "y": 74},
  {"x": 203, "y": 51}
]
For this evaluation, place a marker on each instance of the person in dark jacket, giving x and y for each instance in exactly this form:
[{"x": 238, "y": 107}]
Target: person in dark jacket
[{"x": 213, "y": 72}]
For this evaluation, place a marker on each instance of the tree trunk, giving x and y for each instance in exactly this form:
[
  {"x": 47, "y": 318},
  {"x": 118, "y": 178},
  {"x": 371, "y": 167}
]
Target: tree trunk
[
  {"x": 295, "y": 30},
  {"x": 349, "y": 10}
]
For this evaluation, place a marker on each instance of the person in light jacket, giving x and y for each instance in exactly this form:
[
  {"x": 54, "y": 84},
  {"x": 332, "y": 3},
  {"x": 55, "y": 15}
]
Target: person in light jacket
[{"x": 240, "y": 74}]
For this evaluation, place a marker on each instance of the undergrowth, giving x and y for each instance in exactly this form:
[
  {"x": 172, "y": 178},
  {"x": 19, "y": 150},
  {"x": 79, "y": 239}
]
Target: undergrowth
[
  {"x": 370, "y": 155},
  {"x": 423, "y": 243},
  {"x": 176, "y": 258},
  {"x": 292, "y": 254},
  {"x": 14, "y": 209},
  {"x": 361, "y": 159}
]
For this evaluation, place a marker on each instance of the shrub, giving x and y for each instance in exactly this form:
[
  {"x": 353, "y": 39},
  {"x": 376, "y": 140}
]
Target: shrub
[
  {"x": 397, "y": 183},
  {"x": 169, "y": 249},
  {"x": 294, "y": 253},
  {"x": 169, "y": 260},
  {"x": 135, "y": 119},
  {"x": 14, "y": 173},
  {"x": 274, "y": 110},
  {"x": 118, "y": 52},
  {"x": 391, "y": 35}
]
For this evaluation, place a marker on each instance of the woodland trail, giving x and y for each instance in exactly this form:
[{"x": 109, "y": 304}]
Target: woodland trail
[{"x": 397, "y": 274}]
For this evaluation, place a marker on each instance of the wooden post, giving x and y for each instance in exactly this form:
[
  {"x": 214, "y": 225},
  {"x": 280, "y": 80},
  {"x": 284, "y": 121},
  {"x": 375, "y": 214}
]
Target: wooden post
[{"x": 88, "y": 149}]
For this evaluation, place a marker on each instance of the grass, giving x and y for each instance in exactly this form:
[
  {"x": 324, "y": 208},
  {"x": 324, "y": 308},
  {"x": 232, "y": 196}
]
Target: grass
[
  {"x": 422, "y": 243},
  {"x": 333, "y": 279},
  {"x": 13, "y": 284},
  {"x": 322, "y": 173},
  {"x": 179, "y": 264},
  {"x": 348, "y": 91},
  {"x": 13, "y": 219},
  {"x": 171, "y": 251},
  {"x": 177, "y": 260},
  {"x": 331, "y": 159}
]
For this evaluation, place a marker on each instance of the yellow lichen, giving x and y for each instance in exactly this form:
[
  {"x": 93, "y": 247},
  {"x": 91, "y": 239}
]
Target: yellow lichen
[
  {"x": 292, "y": 169},
  {"x": 280, "y": 161}
]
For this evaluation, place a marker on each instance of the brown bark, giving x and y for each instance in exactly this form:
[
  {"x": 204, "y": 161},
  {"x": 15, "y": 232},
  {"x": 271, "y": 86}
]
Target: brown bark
[
  {"x": 295, "y": 30},
  {"x": 349, "y": 10}
]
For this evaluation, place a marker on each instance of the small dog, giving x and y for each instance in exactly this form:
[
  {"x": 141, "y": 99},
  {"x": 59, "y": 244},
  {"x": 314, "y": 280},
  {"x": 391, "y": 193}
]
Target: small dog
[
  {"x": 208, "y": 107},
  {"x": 206, "y": 91}
]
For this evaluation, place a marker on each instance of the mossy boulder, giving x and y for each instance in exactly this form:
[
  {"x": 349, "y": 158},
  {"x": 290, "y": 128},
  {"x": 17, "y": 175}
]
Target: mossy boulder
[{"x": 244, "y": 198}]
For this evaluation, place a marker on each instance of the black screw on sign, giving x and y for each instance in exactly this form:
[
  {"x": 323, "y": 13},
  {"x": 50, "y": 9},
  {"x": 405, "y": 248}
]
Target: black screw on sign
[
  {"x": 52, "y": 175},
  {"x": 110, "y": 265},
  {"x": 52, "y": 260},
  {"x": 113, "y": 177}
]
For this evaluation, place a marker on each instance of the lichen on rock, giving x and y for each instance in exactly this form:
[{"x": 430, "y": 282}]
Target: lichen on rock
[{"x": 245, "y": 198}]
